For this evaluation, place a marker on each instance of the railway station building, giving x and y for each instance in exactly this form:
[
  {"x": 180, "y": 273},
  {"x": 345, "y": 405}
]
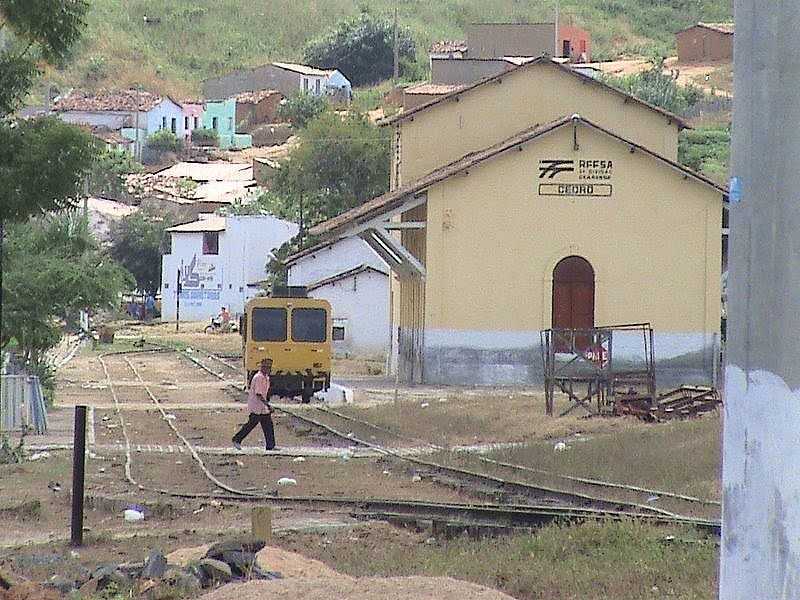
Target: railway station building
[{"x": 541, "y": 198}]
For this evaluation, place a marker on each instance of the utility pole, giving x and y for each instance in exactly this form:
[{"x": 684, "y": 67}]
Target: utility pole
[
  {"x": 178, "y": 290},
  {"x": 760, "y": 551},
  {"x": 396, "y": 72},
  {"x": 556, "y": 52}
]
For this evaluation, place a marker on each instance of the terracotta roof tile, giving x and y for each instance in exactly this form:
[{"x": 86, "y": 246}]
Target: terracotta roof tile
[
  {"x": 255, "y": 97},
  {"x": 448, "y": 46},
  {"x": 122, "y": 101}
]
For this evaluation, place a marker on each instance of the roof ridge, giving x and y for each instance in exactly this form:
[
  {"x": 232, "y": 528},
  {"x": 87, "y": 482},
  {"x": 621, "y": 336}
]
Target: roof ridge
[{"x": 543, "y": 59}]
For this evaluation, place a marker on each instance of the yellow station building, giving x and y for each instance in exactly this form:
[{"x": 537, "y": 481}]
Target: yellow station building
[{"x": 542, "y": 198}]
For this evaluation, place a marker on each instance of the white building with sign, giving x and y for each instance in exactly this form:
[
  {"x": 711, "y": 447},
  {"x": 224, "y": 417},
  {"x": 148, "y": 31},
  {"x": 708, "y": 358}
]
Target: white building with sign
[
  {"x": 219, "y": 262},
  {"x": 355, "y": 280}
]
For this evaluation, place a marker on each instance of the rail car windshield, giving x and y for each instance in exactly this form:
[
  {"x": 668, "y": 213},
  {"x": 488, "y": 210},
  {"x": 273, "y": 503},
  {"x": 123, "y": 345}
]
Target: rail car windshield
[
  {"x": 309, "y": 324},
  {"x": 269, "y": 325}
]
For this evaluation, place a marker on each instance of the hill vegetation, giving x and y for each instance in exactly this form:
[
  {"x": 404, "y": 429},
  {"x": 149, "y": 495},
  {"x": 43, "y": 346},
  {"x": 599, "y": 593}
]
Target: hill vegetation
[{"x": 172, "y": 45}]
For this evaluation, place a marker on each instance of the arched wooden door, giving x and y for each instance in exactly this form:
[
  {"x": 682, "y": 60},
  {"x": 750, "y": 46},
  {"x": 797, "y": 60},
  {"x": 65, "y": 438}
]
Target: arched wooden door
[{"x": 573, "y": 297}]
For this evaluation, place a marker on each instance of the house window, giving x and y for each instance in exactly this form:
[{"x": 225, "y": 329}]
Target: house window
[
  {"x": 305, "y": 84},
  {"x": 174, "y": 125},
  {"x": 186, "y": 123},
  {"x": 210, "y": 242},
  {"x": 163, "y": 122},
  {"x": 197, "y": 122},
  {"x": 230, "y": 124},
  {"x": 317, "y": 86},
  {"x": 215, "y": 123},
  {"x": 338, "y": 333}
]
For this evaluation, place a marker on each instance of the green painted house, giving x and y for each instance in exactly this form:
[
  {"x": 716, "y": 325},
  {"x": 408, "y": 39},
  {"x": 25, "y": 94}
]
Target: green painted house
[{"x": 221, "y": 116}]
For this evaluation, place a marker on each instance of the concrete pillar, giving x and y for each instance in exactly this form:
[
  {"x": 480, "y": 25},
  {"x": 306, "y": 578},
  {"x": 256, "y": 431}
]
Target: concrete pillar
[{"x": 761, "y": 456}]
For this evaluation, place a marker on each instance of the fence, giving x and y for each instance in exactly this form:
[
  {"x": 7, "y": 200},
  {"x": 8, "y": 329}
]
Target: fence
[{"x": 22, "y": 405}]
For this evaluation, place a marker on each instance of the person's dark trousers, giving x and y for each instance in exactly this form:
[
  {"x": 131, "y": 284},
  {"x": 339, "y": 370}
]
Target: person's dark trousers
[{"x": 266, "y": 427}]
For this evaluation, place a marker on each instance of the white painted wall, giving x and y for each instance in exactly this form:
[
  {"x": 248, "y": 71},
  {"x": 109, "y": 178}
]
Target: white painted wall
[
  {"x": 360, "y": 303},
  {"x": 169, "y": 110},
  {"x": 212, "y": 281},
  {"x": 366, "y": 308},
  {"x": 112, "y": 120},
  {"x": 345, "y": 254}
]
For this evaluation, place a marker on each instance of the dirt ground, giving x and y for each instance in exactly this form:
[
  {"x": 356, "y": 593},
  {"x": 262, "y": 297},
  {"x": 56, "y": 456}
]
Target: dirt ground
[{"x": 688, "y": 74}]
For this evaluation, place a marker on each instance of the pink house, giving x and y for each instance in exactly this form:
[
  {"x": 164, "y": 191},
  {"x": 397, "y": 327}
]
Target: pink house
[{"x": 192, "y": 117}]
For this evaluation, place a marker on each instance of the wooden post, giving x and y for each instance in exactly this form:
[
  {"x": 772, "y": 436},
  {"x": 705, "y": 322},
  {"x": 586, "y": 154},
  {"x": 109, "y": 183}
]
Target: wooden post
[
  {"x": 178, "y": 289},
  {"x": 261, "y": 519},
  {"x": 78, "y": 467}
]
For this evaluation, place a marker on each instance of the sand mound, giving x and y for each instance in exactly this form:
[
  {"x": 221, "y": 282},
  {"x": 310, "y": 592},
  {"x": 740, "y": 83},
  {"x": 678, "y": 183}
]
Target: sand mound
[
  {"x": 291, "y": 564},
  {"x": 346, "y": 588}
]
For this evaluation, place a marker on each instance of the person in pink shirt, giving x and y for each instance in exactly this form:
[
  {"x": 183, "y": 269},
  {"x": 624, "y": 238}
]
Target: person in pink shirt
[{"x": 259, "y": 408}]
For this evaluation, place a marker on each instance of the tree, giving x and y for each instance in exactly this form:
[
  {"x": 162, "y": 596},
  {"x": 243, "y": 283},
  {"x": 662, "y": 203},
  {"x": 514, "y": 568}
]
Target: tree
[
  {"x": 362, "y": 48},
  {"x": 42, "y": 166},
  {"x": 53, "y": 269},
  {"x": 107, "y": 175},
  {"x": 300, "y": 108},
  {"x": 339, "y": 163},
  {"x": 34, "y": 32},
  {"x": 137, "y": 242}
]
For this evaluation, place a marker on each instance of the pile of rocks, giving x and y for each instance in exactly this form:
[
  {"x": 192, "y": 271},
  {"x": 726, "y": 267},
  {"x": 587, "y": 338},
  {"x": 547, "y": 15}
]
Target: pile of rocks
[{"x": 155, "y": 578}]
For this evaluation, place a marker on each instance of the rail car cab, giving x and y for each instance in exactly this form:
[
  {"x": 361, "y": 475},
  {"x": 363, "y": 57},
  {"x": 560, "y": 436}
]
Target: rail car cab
[{"x": 294, "y": 332}]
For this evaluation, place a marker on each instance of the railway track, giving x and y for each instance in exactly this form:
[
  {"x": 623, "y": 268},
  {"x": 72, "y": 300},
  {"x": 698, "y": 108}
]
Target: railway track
[{"x": 481, "y": 482}]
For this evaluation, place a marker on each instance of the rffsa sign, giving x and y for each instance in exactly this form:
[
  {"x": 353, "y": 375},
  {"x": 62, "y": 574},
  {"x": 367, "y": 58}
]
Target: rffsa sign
[{"x": 576, "y": 178}]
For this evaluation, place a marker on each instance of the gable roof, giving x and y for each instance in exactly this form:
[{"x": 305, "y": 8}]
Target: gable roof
[
  {"x": 293, "y": 258},
  {"x": 542, "y": 60},
  {"x": 448, "y": 46},
  {"x": 201, "y": 225},
  {"x": 726, "y": 28},
  {"x": 303, "y": 69},
  {"x": 110, "y": 100},
  {"x": 396, "y": 198},
  {"x": 343, "y": 275}
]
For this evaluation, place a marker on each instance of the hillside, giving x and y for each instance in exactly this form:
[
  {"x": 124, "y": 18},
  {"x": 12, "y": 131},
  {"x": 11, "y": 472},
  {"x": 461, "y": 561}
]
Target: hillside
[{"x": 184, "y": 41}]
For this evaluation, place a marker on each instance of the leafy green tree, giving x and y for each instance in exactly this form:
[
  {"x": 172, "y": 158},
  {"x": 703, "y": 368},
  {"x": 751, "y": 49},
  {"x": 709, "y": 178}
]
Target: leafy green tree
[
  {"x": 137, "y": 242},
  {"x": 164, "y": 140},
  {"x": 338, "y": 163},
  {"x": 33, "y": 33},
  {"x": 362, "y": 48},
  {"x": 107, "y": 176},
  {"x": 205, "y": 136},
  {"x": 300, "y": 108},
  {"x": 53, "y": 268},
  {"x": 42, "y": 166}
]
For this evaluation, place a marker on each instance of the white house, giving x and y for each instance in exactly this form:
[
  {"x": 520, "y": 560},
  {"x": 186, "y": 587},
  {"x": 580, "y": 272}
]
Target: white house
[
  {"x": 348, "y": 274},
  {"x": 219, "y": 261},
  {"x": 123, "y": 111}
]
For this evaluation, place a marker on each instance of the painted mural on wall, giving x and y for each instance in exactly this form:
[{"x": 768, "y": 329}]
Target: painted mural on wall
[{"x": 201, "y": 281}]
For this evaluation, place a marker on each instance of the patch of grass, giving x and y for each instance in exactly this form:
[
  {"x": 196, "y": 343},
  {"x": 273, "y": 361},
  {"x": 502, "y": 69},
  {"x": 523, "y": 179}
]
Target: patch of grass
[
  {"x": 707, "y": 150},
  {"x": 621, "y": 561},
  {"x": 682, "y": 456}
]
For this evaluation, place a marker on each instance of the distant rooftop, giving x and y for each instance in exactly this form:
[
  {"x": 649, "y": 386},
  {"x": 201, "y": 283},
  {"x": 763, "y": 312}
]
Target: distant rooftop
[
  {"x": 108, "y": 100},
  {"x": 448, "y": 46},
  {"x": 255, "y": 97},
  {"x": 302, "y": 69},
  {"x": 721, "y": 27}
]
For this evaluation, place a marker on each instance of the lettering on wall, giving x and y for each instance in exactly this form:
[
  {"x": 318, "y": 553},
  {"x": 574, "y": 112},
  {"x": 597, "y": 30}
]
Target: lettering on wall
[
  {"x": 582, "y": 178},
  {"x": 199, "y": 281}
]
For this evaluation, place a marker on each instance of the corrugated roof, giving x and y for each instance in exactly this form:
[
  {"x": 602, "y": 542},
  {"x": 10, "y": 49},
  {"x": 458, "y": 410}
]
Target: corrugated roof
[
  {"x": 201, "y": 225},
  {"x": 546, "y": 60},
  {"x": 394, "y": 199},
  {"x": 212, "y": 171},
  {"x": 108, "y": 100},
  {"x": 303, "y": 69},
  {"x": 344, "y": 275},
  {"x": 448, "y": 46},
  {"x": 255, "y": 97}
]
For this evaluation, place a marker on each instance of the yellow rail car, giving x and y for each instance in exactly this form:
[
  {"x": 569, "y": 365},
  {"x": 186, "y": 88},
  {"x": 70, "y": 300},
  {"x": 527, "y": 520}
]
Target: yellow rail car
[{"x": 295, "y": 334}]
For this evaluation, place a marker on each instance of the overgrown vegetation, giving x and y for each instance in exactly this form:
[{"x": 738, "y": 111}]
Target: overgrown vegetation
[
  {"x": 707, "y": 150},
  {"x": 623, "y": 561},
  {"x": 300, "y": 108},
  {"x": 362, "y": 48},
  {"x": 164, "y": 140},
  {"x": 123, "y": 49},
  {"x": 107, "y": 175},
  {"x": 659, "y": 88},
  {"x": 205, "y": 136}
]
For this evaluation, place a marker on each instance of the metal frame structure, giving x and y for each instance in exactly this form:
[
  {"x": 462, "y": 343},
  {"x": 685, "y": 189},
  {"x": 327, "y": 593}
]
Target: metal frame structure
[{"x": 583, "y": 359}]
